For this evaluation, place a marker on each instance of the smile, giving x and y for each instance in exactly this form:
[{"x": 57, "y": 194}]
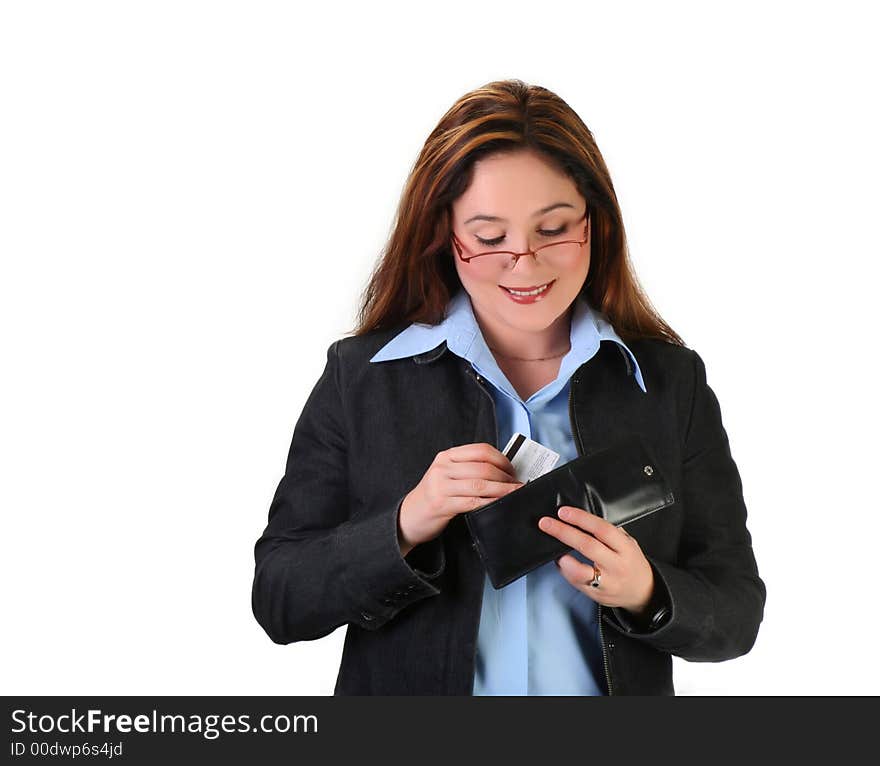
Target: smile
[{"x": 528, "y": 294}]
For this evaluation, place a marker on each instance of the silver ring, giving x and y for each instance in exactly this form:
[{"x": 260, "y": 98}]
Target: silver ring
[{"x": 597, "y": 577}]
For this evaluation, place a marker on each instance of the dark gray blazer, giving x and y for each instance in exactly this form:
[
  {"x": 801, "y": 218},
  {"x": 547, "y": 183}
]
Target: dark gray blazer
[{"x": 329, "y": 555}]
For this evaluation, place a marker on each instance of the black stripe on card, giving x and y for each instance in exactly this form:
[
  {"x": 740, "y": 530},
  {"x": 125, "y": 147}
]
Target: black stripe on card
[{"x": 515, "y": 447}]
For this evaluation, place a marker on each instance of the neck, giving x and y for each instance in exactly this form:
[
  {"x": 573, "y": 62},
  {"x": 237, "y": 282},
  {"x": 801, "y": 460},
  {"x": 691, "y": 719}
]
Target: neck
[{"x": 509, "y": 342}]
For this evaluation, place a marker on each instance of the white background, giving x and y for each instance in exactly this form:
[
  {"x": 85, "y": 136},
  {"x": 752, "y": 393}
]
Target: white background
[{"x": 193, "y": 194}]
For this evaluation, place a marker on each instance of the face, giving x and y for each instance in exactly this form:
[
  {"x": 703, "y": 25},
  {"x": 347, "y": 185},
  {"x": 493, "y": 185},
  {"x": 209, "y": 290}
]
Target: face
[{"x": 514, "y": 188}]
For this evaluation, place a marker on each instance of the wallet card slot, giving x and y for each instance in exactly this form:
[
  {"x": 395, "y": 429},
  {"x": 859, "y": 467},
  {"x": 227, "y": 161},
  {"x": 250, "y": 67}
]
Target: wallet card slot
[{"x": 669, "y": 499}]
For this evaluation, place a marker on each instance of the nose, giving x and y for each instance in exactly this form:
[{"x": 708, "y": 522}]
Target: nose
[{"x": 530, "y": 266}]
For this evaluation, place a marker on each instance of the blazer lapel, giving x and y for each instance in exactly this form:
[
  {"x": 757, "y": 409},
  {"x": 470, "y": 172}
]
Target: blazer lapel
[{"x": 607, "y": 400}]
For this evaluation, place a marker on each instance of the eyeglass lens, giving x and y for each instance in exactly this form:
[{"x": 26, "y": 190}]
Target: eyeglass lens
[{"x": 558, "y": 254}]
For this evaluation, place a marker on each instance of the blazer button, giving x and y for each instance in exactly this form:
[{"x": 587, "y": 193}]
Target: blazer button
[{"x": 660, "y": 617}]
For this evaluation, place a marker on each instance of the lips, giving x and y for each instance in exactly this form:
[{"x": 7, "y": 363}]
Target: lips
[
  {"x": 527, "y": 299},
  {"x": 524, "y": 289}
]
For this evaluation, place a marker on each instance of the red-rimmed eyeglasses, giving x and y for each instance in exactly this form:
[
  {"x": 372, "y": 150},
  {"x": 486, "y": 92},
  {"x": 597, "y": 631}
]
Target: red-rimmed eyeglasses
[{"x": 553, "y": 252}]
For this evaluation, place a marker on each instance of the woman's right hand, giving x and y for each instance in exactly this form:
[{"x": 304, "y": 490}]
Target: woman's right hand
[{"x": 459, "y": 480}]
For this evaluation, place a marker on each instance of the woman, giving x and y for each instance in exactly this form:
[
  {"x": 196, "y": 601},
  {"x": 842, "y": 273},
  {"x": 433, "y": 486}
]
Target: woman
[{"x": 505, "y": 303}]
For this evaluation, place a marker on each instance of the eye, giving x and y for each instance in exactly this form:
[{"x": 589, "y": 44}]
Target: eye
[{"x": 542, "y": 232}]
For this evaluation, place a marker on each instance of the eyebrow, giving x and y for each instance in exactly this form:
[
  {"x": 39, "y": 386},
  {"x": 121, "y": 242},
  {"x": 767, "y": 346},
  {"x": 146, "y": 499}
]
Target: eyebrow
[{"x": 543, "y": 210}]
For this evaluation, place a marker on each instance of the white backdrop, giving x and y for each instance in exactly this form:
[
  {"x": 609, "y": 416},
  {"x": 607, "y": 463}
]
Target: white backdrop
[{"x": 192, "y": 195}]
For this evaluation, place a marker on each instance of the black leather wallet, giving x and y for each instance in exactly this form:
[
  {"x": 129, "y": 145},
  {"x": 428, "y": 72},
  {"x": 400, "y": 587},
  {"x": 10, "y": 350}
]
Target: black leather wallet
[{"x": 621, "y": 483}]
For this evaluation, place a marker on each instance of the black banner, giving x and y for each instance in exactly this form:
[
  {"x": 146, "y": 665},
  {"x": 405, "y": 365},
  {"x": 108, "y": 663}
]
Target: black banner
[{"x": 135, "y": 730}]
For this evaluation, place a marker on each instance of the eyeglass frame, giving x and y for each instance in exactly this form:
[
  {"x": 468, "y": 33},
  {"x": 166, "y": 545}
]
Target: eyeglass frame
[{"x": 459, "y": 245}]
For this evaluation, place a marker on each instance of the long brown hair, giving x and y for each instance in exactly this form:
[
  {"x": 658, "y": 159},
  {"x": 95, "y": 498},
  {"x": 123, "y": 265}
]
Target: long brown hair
[{"x": 415, "y": 277}]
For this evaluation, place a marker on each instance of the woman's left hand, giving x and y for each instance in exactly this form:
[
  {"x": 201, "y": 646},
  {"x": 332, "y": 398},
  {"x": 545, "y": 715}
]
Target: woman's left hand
[{"x": 627, "y": 579}]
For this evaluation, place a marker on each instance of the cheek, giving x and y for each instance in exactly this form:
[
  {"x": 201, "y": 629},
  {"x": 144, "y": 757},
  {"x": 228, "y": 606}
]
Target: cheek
[
  {"x": 462, "y": 271},
  {"x": 464, "y": 276},
  {"x": 476, "y": 281},
  {"x": 586, "y": 267},
  {"x": 581, "y": 268}
]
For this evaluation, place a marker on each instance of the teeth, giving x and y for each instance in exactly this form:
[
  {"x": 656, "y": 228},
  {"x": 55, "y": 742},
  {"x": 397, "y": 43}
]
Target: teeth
[{"x": 531, "y": 292}]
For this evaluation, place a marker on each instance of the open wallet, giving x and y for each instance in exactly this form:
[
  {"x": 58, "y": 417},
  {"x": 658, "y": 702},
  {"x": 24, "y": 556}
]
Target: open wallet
[{"x": 621, "y": 483}]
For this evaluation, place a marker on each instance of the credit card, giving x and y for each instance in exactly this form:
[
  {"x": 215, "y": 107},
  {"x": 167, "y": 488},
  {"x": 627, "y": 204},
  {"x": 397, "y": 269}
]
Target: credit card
[{"x": 529, "y": 458}]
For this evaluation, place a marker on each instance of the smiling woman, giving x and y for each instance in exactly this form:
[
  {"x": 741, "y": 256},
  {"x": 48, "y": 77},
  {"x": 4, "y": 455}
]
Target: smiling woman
[{"x": 505, "y": 303}]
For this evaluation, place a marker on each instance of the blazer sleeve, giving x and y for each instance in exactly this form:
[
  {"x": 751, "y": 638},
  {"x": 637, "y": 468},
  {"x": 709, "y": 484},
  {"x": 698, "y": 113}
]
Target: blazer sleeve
[
  {"x": 715, "y": 593},
  {"x": 316, "y": 568}
]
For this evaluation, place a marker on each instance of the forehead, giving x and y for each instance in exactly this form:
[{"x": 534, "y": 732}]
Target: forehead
[{"x": 515, "y": 186}]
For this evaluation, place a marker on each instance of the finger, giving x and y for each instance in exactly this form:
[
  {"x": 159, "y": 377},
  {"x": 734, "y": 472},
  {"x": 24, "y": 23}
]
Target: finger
[
  {"x": 613, "y": 537},
  {"x": 577, "y": 573},
  {"x": 467, "y": 503},
  {"x": 482, "y": 452},
  {"x": 591, "y": 547},
  {"x": 474, "y": 470},
  {"x": 479, "y": 487}
]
